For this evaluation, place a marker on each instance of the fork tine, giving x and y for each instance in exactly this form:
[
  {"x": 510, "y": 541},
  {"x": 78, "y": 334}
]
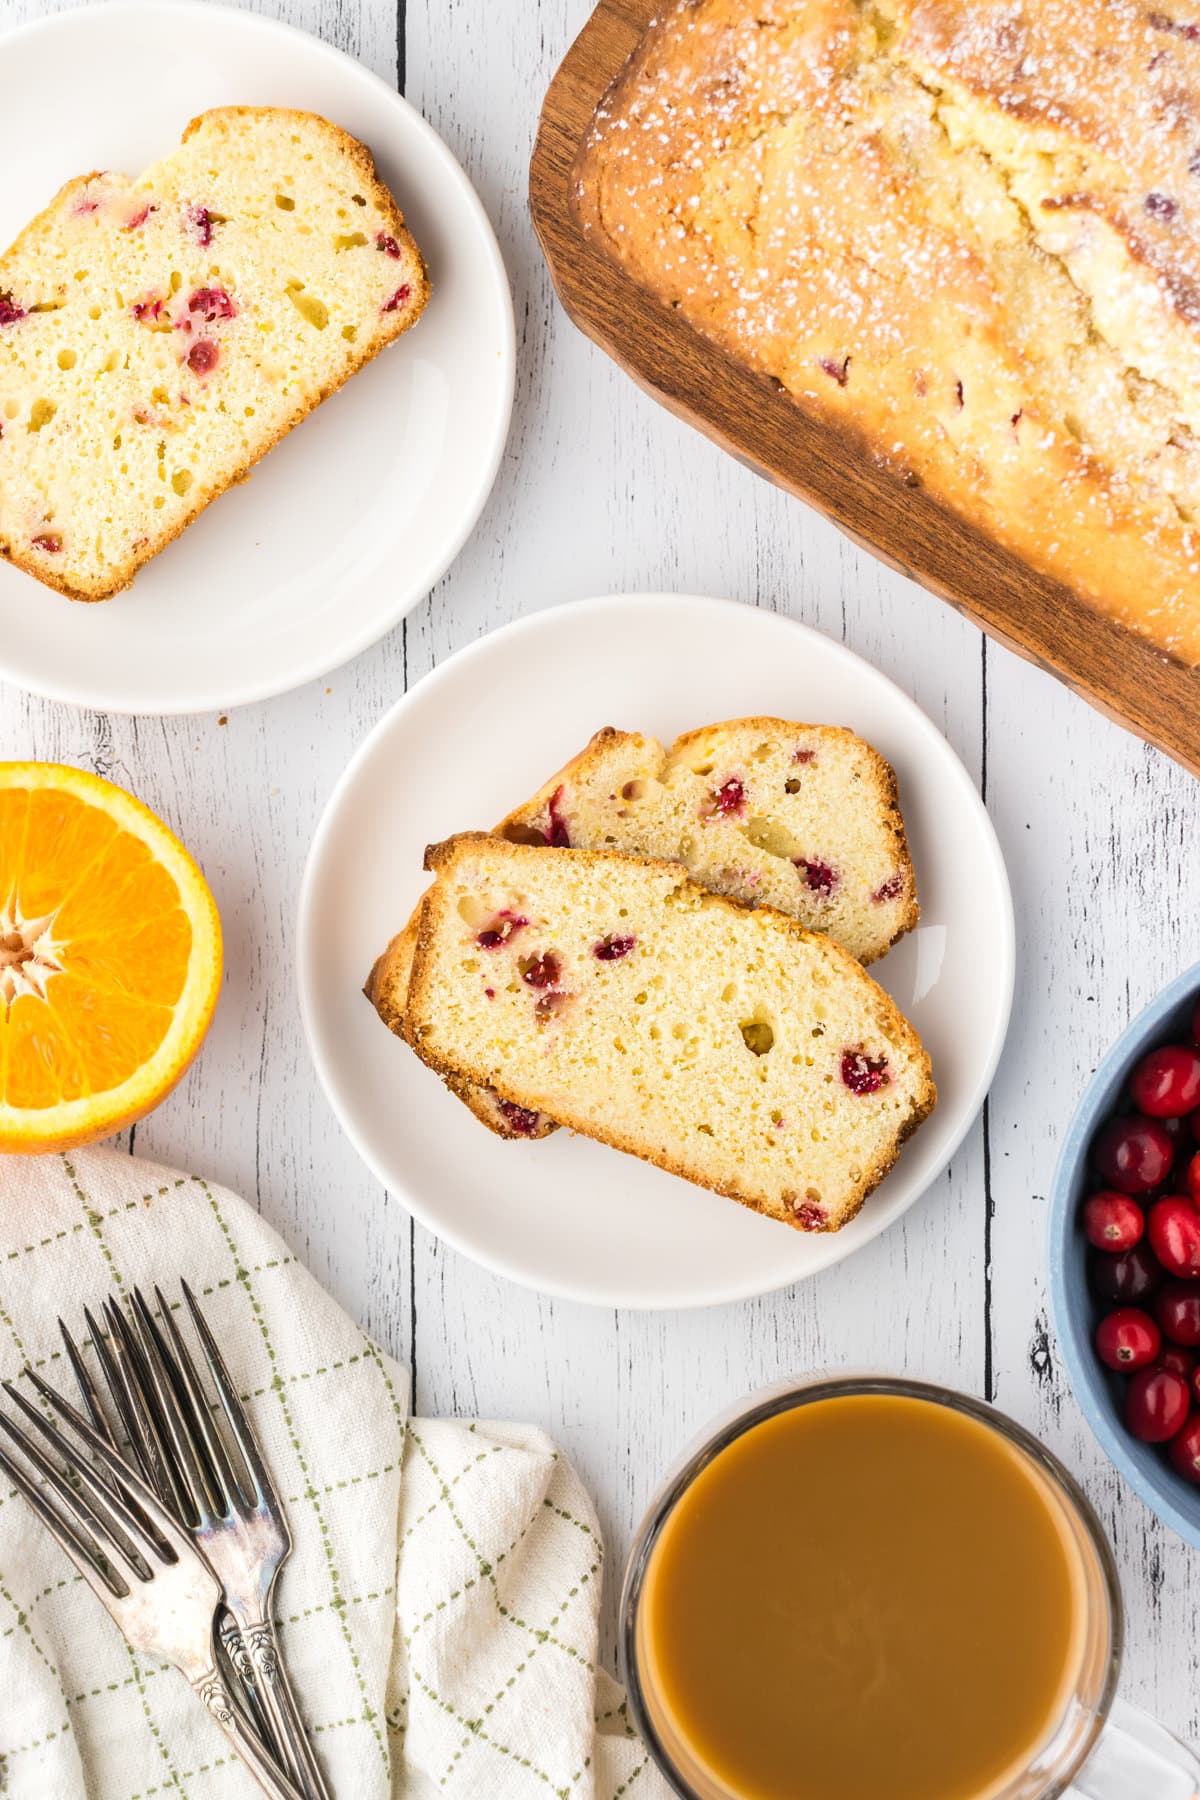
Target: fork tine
[
  {"x": 132, "y": 1485},
  {"x": 104, "y": 1503},
  {"x": 159, "y": 1369},
  {"x": 81, "y": 1550},
  {"x": 147, "y": 1431},
  {"x": 214, "y": 1444},
  {"x": 239, "y": 1423},
  {"x": 86, "y": 1386},
  {"x": 109, "y": 1547}
]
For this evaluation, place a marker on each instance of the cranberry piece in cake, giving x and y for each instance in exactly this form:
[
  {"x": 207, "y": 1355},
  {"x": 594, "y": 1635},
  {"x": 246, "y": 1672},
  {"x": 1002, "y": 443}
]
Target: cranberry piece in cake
[
  {"x": 864, "y": 1074},
  {"x": 505, "y": 927},
  {"x": 203, "y": 357},
  {"x": 10, "y": 312},
  {"x": 611, "y": 949},
  {"x": 541, "y": 971},
  {"x": 212, "y": 303},
  {"x": 818, "y": 875},
  {"x": 558, "y": 835}
]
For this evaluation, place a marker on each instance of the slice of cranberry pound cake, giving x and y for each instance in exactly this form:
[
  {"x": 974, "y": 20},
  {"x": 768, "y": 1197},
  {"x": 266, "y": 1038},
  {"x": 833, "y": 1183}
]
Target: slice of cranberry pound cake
[
  {"x": 723, "y": 1042},
  {"x": 158, "y": 336}
]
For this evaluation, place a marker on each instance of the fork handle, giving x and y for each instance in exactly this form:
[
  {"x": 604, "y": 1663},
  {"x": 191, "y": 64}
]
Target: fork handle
[
  {"x": 274, "y": 1693},
  {"x": 210, "y": 1688}
]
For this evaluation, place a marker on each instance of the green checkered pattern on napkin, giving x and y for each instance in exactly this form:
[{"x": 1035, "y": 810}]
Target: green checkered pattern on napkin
[{"x": 439, "y": 1611}]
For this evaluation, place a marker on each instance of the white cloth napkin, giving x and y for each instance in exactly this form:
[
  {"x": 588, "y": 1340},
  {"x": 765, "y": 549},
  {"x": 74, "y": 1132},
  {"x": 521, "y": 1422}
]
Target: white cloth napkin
[{"x": 439, "y": 1611}]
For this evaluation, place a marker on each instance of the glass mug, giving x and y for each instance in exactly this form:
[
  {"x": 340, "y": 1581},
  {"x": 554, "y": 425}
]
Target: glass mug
[{"x": 1107, "y": 1749}]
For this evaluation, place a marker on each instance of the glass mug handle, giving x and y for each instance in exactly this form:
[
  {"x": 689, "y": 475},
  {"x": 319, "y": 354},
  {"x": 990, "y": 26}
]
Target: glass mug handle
[{"x": 1137, "y": 1759}]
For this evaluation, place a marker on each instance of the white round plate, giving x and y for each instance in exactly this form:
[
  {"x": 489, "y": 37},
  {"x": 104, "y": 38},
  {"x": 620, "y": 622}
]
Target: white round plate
[
  {"x": 354, "y": 516},
  {"x": 477, "y": 737}
]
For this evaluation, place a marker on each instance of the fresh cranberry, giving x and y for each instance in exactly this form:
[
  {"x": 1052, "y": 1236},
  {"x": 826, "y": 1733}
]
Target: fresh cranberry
[
  {"x": 1180, "y": 1361},
  {"x": 1127, "y": 1339},
  {"x": 214, "y": 303},
  {"x": 1177, "y": 1309},
  {"x": 10, "y": 312},
  {"x": 892, "y": 889},
  {"x": 519, "y": 1118},
  {"x": 542, "y": 971},
  {"x": 840, "y": 371},
  {"x": 1113, "y": 1221},
  {"x": 1156, "y": 1405},
  {"x": 388, "y": 245},
  {"x": 1130, "y": 1277},
  {"x": 611, "y": 949},
  {"x": 558, "y": 837},
  {"x": 202, "y": 357},
  {"x": 819, "y": 876},
  {"x": 398, "y": 298},
  {"x": 1192, "y": 1177},
  {"x": 49, "y": 541},
  {"x": 1184, "y": 1449},
  {"x": 199, "y": 222},
  {"x": 506, "y": 926},
  {"x": 809, "y": 1216},
  {"x": 1133, "y": 1154},
  {"x": 727, "y": 800},
  {"x": 864, "y": 1074},
  {"x": 1173, "y": 1228},
  {"x": 1166, "y": 1083}
]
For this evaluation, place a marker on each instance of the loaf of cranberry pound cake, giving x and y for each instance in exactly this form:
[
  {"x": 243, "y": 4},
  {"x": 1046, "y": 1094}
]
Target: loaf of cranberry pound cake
[
  {"x": 725, "y": 1043},
  {"x": 802, "y": 817},
  {"x": 966, "y": 232},
  {"x": 158, "y": 336}
]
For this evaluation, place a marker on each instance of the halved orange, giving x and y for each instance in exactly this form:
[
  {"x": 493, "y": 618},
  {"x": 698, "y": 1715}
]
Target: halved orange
[{"x": 110, "y": 958}]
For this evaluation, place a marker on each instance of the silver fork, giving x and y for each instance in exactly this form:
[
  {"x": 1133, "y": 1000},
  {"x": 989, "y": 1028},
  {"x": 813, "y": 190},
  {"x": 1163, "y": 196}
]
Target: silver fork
[
  {"x": 233, "y": 1513},
  {"x": 136, "y": 1560}
]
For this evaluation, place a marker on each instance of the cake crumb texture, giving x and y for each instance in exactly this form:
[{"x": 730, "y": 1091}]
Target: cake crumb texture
[
  {"x": 725, "y": 1043},
  {"x": 159, "y": 335},
  {"x": 965, "y": 232}
]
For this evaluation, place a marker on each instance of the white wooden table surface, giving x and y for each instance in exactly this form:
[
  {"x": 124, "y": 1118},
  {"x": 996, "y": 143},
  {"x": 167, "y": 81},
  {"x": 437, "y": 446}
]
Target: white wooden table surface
[{"x": 601, "y": 490}]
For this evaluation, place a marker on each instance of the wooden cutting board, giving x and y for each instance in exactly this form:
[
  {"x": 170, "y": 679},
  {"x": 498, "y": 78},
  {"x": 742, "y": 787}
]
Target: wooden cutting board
[{"x": 749, "y": 415}]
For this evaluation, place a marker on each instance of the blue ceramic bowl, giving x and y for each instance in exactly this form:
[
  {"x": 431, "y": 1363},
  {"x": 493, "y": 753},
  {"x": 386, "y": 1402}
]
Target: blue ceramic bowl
[{"x": 1170, "y": 1496}]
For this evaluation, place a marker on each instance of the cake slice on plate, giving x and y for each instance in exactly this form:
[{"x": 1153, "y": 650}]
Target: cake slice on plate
[
  {"x": 158, "y": 336},
  {"x": 615, "y": 994}
]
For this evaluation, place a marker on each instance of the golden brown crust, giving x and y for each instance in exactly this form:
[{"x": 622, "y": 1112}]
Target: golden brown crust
[
  {"x": 123, "y": 574},
  {"x": 422, "y": 999},
  {"x": 741, "y": 160}
]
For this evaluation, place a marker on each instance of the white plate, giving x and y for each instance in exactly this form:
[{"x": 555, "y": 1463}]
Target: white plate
[
  {"x": 477, "y": 737},
  {"x": 350, "y": 521}
]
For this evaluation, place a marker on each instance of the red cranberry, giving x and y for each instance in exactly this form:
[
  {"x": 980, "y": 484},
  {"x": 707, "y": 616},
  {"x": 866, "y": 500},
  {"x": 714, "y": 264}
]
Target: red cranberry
[
  {"x": 819, "y": 876},
  {"x": 558, "y": 837},
  {"x": 199, "y": 223},
  {"x": 398, "y": 298},
  {"x": 519, "y": 1118},
  {"x": 809, "y": 1216},
  {"x": 1192, "y": 1177},
  {"x": 213, "y": 303},
  {"x": 803, "y": 756},
  {"x": 10, "y": 312},
  {"x": 1133, "y": 1154},
  {"x": 1180, "y": 1361},
  {"x": 1173, "y": 1228},
  {"x": 139, "y": 219},
  {"x": 1161, "y": 206},
  {"x": 506, "y": 926},
  {"x": 892, "y": 889},
  {"x": 202, "y": 357},
  {"x": 840, "y": 371},
  {"x": 864, "y": 1074},
  {"x": 1156, "y": 1405},
  {"x": 150, "y": 308},
  {"x": 1167, "y": 1081},
  {"x": 1113, "y": 1221},
  {"x": 611, "y": 949},
  {"x": 1177, "y": 1309},
  {"x": 1184, "y": 1450},
  {"x": 541, "y": 971},
  {"x": 730, "y": 799},
  {"x": 49, "y": 541},
  {"x": 1127, "y": 1339},
  {"x": 388, "y": 245},
  {"x": 1130, "y": 1277}
]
